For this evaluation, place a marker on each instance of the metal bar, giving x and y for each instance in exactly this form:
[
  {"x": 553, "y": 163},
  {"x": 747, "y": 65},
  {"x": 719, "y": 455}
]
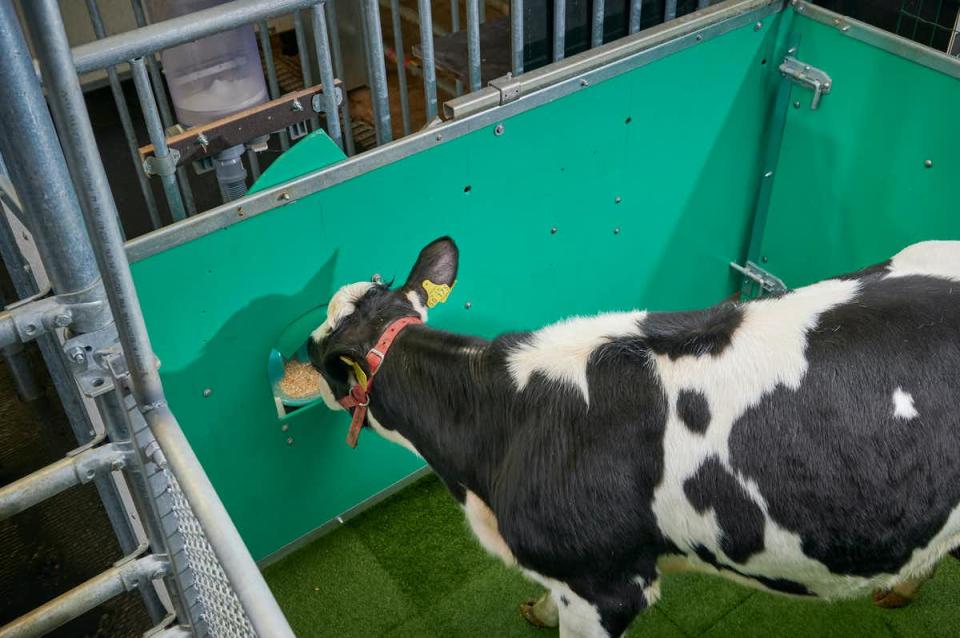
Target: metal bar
[
  {"x": 303, "y": 50},
  {"x": 169, "y": 33},
  {"x": 559, "y": 29},
  {"x": 254, "y": 163},
  {"x": 166, "y": 114},
  {"x": 473, "y": 112},
  {"x": 324, "y": 61},
  {"x": 82, "y": 598},
  {"x": 596, "y": 28},
  {"x": 157, "y": 137},
  {"x": 702, "y": 4},
  {"x": 125, "y": 122},
  {"x": 40, "y": 177},
  {"x": 454, "y": 16},
  {"x": 636, "y": 9},
  {"x": 516, "y": 35},
  {"x": 272, "y": 84},
  {"x": 483, "y": 10},
  {"x": 378, "y": 71},
  {"x": 401, "y": 64},
  {"x": 426, "y": 53},
  {"x": 473, "y": 44},
  {"x": 330, "y": 6},
  {"x": 57, "y": 477},
  {"x": 99, "y": 208},
  {"x": 669, "y": 10}
]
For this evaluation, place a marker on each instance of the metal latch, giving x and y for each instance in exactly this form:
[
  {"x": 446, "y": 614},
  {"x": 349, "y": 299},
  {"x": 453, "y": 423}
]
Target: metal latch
[
  {"x": 808, "y": 76},
  {"x": 768, "y": 283}
]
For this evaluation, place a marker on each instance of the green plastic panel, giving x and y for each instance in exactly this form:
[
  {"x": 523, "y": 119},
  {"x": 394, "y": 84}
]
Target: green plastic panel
[
  {"x": 852, "y": 187},
  {"x": 649, "y": 178}
]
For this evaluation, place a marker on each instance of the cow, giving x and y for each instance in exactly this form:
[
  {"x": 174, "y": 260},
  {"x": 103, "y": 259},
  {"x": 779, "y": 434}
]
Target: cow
[{"x": 806, "y": 444}]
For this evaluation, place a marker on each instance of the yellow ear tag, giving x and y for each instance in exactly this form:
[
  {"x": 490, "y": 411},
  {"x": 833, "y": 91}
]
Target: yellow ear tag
[
  {"x": 357, "y": 371},
  {"x": 436, "y": 293}
]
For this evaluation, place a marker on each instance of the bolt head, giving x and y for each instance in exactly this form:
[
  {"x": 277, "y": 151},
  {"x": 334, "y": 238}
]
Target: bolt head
[
  {"x": 758, "y": 26},
  {"x": 928, "y": 163},
  {"x": 117, "y": 465},
  {"x": 290, "y": 440},
  {"x": 498, "y": 130},
  {"x": 553, "y": 231},
  {"x": 296, "y": 106},
  {"x": 30, "y": 329},
  {"x": 207, "y": 392},
  {"x": 584, "y": 82},
  {"x": 764, "y": 259},
  {"x": 284, "y": 427},
  {"x": 439, "y": 137},
  {"x": 699, "y": 37},
  {"x": 796, "y": 104},
  {"x": 616, "y": 231},
  {"x": 77, "y": 355},
  {"x": 617, "y": 199},
  {"x": 468, "y": 305},
  {"x": 62, "y": 320},
  {"x": 284, "y": 196}
]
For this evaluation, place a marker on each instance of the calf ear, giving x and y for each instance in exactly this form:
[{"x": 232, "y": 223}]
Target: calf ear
[{"x": 435, "y": 272}]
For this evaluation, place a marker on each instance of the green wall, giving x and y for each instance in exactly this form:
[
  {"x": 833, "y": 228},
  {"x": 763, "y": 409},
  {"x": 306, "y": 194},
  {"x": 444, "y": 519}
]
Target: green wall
[{"x": 678, "y": 141}]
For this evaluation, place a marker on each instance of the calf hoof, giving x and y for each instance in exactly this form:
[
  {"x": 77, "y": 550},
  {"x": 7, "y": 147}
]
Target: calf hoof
[
  {"x": 889, "y": 599},
  {"x": 540, "y": 613}
]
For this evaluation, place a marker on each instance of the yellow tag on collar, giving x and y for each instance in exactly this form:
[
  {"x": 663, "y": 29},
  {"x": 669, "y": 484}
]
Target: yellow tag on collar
[
  {"x": 436, "y": 293},
  {"x": 357, "y": 371}
]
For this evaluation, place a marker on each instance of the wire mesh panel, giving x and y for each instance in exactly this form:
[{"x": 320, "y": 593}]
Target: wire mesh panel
[{"x": 222, "y": 611}]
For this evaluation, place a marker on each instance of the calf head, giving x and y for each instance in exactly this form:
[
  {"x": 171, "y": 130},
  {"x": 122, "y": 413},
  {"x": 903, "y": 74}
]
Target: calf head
[{"x": 359, "y": 313}]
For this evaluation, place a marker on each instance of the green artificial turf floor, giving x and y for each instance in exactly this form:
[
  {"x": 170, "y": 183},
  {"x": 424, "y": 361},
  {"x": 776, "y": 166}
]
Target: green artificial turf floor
[{"x": 410, "y": 567}]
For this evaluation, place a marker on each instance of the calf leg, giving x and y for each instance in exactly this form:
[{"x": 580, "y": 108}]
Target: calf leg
[
  {"x": 542, "y": 612},
  {"x": 607, "y": 615}
]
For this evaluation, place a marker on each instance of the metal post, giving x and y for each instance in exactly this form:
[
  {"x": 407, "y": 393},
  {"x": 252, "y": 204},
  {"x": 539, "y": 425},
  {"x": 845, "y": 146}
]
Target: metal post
[
  {"x": 304, "y": 52},
  {"x": 636, "y": 7},
  {"x": 401, "y": 64},
  {"x": 99, "y": 208},
  {"x": 272, "y": 84},
  {"x": 426, "y": 50},
  {"x": 125, "y": 122},
  {"x": 324, "y": 61},
  {"x": 516, "y": 35},
  {"x": 333, "y": 25},
  {"x": 669, "y": 10},
  {"x": 473, "y": 44},
  {"x": 559, "y": 29},
  {"x": 596, "y": 31},
  {"x": 158, "y": 139},
  {"x": 254, "y": 163},
  {"x": 82, "y": 598},
  {"x": 163, "y": 102},
  {"x": 702, "y": 4},
  {"x": 454, "y": 27},
  {"x": 483, "y": 10},
  {"x": 378, "y": 68}
]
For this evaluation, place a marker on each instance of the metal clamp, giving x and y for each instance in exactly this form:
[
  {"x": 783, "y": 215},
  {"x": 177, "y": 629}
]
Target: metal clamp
[
  {"x": 508, "y": 86},
  {"x": 808, "y": 76},
  {"x": 166, "y": 165},
  {"x": 316, "y": 103},
  {"x": 92, "y": 356},
  {"x": 768, "y": 282}
]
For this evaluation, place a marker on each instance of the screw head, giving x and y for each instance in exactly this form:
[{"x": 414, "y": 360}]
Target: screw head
[
  {"x": 796, "y": 104},
  {"x": 617, "y": 199},
  {"x": 207, "y": 392},
  {"x": 62, "y": 320},
  {"x": 468, "y": 305},
  {"x": 764, "y": 259},
  {"x": 584, "y": 82},
  {"x": 439, "y": 137},
  {"x": 117, "y": 465},
  {"x": 553, "y": 231},
  {"x": 296, "y": 106},
  {"x": 928, "y": 163},
  {"x": 498, "y": 130},
  {"x": 202, "y": 140},
  {"x": 284, "y": 427},
  {"x": 290, "y": 440},
  {"x": 30, "y": 329},
  {"x": 284, "y": 196},
  {"x": 758, "y": 26},
  {"x": 699, "y": 37},
  {"x": 616, "y": 231},
  {"x": 77, "y": 355}
]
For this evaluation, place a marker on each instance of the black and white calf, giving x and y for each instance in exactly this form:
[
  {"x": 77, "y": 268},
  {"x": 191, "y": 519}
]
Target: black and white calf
[{"x": 807, "y": 444}]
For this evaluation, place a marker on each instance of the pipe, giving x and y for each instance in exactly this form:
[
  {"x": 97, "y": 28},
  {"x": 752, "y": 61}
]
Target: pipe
[
  {"x": 272, "y": 84},
  {"x": 330, "y": 6},
  {"x": 559, "y": 29},
  {"x": 129, "y": 133},
  {"x": 169, "y": 33},
  {"x": 40, "y": 176},
  {"x": 378, "y": 71},
  {"x": 516, "y": 36},
  {"x": 473, "y": 44},
  {"x": 81, "y": 599},
  {"x": 401, "y": 55},
  {"x": 305, "y": 71},
  {"x": 636, "y": 6},
  {"x": 669, "y": 10},
  {"x": 429, "y": 68},
  {"x": 157, "y": 137},
  {"x": 325, "y": 62},
  {"x": 596, "y": 31},
  {"x": 66, "y": 95},
  {"x": 57, "y": 477}
]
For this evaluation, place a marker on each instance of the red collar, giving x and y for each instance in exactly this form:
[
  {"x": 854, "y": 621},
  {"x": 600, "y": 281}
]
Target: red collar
[{"x": 359, "y": 397}]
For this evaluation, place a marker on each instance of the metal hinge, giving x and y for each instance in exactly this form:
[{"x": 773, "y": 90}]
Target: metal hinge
[
  {"x": 808, "y": 76},
  {"x": 756, "y": 277}
]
